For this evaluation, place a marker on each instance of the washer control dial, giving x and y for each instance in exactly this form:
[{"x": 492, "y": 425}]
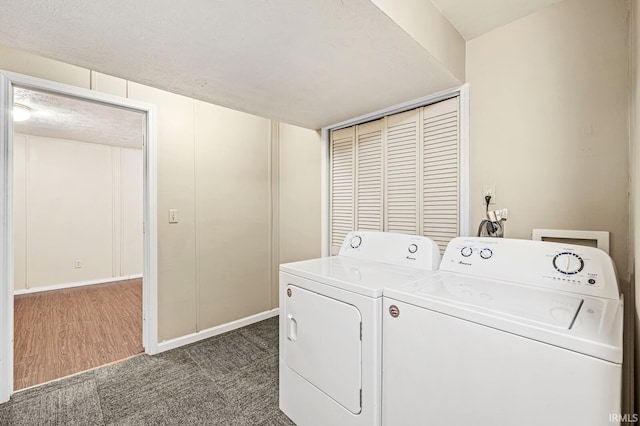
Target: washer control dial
[
  {"x": 413, "y": 248},
  {"x": 568, "y": 263},
  {"x": 356, "y": 241},
  {"x": 486, "y": 253},
  {"x": 466, "y": 251}
]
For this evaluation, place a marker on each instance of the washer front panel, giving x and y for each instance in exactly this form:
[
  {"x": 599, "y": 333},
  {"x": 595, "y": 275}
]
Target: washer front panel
[{"x": 441, "y": 370}]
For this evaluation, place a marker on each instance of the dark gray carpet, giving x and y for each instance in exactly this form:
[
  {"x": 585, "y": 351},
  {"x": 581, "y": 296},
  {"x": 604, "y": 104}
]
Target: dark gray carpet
[{"x": 230, "y": 379}]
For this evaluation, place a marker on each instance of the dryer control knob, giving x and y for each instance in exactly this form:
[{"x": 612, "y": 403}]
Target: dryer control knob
[
  {"x": 568, "y": 263},
  {"x": 356, "y": 241},
  {"x": 413, "y": 248},
  {"x": 466, "y": 251},
  {"x": 486, "y": 253}
]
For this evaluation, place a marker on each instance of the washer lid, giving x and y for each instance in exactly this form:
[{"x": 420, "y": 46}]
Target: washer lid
[
  {"x": 518, "y": 302},
  {"x": 584, "y": 324},
  {"x": 357, "y": 275}
]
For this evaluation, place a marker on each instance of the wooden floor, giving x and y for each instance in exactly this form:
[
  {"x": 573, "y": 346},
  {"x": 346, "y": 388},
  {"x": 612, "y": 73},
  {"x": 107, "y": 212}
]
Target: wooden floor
[{"x": 62, "y": 332}]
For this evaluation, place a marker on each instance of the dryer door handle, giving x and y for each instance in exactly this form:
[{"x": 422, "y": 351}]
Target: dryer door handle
[{"x": 292, "y": 328}]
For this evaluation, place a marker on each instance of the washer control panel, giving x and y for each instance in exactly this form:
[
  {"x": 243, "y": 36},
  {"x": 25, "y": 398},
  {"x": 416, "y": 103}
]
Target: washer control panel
[
  {"x": 395, "y": 249},
  {"x": 567, "y": 267}
]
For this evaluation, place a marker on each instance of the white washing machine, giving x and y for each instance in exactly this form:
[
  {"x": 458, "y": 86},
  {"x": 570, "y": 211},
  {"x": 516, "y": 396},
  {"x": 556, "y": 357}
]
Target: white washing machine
[
  {"x": 508, "y": 332},
  {"x": 330, "y": 326}
]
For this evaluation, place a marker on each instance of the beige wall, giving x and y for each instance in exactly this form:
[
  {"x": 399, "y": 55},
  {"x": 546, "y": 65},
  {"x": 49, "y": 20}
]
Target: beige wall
[
  {"x": 424, "y": 22},
  {"x": 232, "y": 214},
  {"x": 69, "y": 205},
  {"x": 177, "y": 304},
  {"x": 214, "y": 166},
  {"x": 635, "y": 178},
  {"x": 549, "y": 121},
  {"x": 37, "y": 66},
  {"x": 550, "y": 127},
  {"x": 300, "y": 196}
]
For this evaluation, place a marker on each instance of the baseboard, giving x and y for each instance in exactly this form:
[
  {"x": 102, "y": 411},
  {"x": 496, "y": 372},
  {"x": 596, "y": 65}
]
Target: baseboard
[
  {"x": 76, "y": 284},
  {"x": 214, "y": 331}
]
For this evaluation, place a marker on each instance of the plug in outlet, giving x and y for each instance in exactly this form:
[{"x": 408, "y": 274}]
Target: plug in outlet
[
  {"x": 77, "y": 264},
  {"x": 489, "y": 190}
]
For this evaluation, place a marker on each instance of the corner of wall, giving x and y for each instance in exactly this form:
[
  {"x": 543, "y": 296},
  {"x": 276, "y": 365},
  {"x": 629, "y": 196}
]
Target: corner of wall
[{"x": 422, "y": 20}]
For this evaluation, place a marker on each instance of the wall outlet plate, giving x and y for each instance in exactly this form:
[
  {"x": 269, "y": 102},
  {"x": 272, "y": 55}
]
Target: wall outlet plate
[{"x": 489, "y": 190}]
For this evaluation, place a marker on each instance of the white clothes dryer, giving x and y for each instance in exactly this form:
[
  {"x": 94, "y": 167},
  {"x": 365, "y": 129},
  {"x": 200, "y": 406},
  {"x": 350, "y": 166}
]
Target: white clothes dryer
[
  {"x": 330, "y": 326},
  {"x": 507, "y": 332}
]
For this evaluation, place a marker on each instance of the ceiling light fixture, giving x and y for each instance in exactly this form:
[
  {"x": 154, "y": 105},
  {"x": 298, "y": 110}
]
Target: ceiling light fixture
[{"x": 21, "y": 112}]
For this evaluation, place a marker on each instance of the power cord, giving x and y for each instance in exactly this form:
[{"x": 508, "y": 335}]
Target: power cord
[{"x": 492, "y": 229}]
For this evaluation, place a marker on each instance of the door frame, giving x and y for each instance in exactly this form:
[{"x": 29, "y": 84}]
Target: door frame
[{"x": 150, "y": 260}]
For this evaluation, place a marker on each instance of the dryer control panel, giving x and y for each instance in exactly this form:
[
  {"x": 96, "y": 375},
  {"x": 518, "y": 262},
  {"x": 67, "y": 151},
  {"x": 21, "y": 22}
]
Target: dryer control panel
[
  {"x": 392, "y": 248},
  {"x": 566, "y": 267}
]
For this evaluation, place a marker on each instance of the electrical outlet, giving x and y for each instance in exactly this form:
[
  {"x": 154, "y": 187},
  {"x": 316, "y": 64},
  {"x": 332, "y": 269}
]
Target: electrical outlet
[
  {"x": 489, "y": 190},
  {"x": 77, "y": 264},
  {"x": 173, "y": 215}
]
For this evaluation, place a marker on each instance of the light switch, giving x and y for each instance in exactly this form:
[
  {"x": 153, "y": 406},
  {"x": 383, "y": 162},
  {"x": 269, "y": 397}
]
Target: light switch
[{"x": 173, "y": 215}]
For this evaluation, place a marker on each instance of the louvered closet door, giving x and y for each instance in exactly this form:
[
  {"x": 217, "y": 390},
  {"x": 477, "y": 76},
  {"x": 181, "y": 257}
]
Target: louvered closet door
[
  {"x": 441, "y": 171},
  {"x": 401, "y": 172},
  {"x": 369, "y": 176},
  {"x": 342, "y": 185}
]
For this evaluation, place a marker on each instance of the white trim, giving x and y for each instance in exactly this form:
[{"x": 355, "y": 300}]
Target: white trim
[
  {"x": 465, "y": 176},
  {"x": 214, "y": 331},
  {"x": 325, "y": 245},
  {"x": 75, "y": 284},
  {"x": 150, "y": 266},
  {"x": 465, "y": 206},
  {"x": 6, "y": 238},
  {"x": 600, "y": 237},
  {"x": 406, "y": 106}
]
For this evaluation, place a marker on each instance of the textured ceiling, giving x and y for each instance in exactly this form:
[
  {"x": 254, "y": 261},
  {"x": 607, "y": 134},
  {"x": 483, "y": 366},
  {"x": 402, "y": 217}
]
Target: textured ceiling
[
  {"x": 310, "y": 63},
  {"x": 63, "y": 117},
  {"x": 473, "y": 18}
]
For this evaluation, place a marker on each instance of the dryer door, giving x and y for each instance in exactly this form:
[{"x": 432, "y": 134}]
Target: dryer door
[{"x": 323, "y": 344}]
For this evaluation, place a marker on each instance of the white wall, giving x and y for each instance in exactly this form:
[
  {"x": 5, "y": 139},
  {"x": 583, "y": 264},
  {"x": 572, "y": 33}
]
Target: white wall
[
  {"x": 75, "y": 201},
  {"x": 130, "y": 212}
]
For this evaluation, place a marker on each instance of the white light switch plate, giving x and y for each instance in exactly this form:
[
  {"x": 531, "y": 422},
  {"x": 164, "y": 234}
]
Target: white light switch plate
[{"x": 173, "y": 215}]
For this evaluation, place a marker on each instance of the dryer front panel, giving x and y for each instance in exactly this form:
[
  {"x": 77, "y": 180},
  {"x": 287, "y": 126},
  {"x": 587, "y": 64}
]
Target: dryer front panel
[{"x": 323, "y": 344}]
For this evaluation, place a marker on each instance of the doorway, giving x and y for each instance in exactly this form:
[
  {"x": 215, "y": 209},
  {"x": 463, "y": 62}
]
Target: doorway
[
  {"x": 77, "y": 235},
  {"x": 72, "y": 268}
]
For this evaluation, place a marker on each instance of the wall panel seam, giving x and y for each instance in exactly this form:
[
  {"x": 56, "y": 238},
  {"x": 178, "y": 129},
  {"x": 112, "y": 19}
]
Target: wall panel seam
[
  {"x": 196, "y": 240},
  {"x": 26, "y": 212},
  {"x": 273, "y": 170}
]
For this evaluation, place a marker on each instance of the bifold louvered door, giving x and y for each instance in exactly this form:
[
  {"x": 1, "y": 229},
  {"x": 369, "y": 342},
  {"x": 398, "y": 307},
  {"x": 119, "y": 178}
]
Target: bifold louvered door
[
  {"x": 398, "y": 174},
  {"x": 369, "y": 160},
  {"x": 342, "y": 185},
  {"x": 441, "y": 148},
  {"x": 401, "y": 173}
]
